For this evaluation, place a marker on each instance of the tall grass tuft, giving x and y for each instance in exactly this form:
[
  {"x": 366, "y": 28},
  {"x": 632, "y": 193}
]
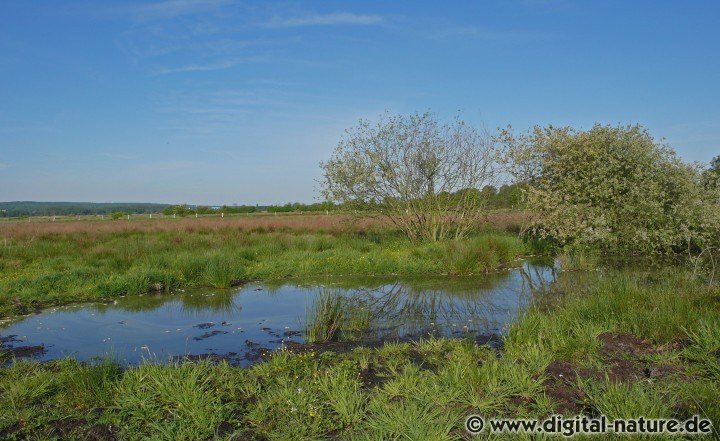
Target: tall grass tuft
[
  {"x": 482, "y": 253},
  {"x": 222, "y": 271},
  {"x": 324, "y": 317}
]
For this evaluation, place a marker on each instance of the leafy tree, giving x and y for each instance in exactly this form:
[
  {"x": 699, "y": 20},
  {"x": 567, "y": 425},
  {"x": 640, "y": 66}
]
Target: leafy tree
[
  {"x": 715, "y": 164},
  {"x": 407, "y": 166},
  {"x": 508, "y": 196},
  {"x": 204, "y": 209},
  {"x": 287, "y": 208},
  {"x": 242, "y": 209},
  {"x": 117, "y": 215},
  {"x": 711, "y": 204},
  {"x": 711, "y": 176},
  {"x": 179, "y": 210},
  {"x": 608, "y": 187},
  {"x": 489, "y": 195}
]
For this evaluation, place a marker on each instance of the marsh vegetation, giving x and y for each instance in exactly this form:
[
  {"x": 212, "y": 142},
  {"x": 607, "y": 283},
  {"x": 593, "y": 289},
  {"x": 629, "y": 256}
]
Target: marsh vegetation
[
  {"x": 600, "y": 350},
  {"x": 632, "y": 340},
  {"x": 43, "y": 267}
]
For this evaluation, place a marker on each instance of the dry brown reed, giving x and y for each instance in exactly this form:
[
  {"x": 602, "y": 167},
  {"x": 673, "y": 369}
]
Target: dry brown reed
[
  {"x": 502, "y": 220},
  {"x": 298, "y": 223}
]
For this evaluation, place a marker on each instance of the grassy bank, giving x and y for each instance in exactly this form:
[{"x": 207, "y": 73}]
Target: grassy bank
[
  {"x": 632, "y": 345},
  {"x": 85, "y": 261}
]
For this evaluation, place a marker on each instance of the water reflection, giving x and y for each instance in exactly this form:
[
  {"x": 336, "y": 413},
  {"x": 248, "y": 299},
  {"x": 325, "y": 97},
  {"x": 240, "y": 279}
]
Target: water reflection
[
  {"x": 222, "y": 322},
  {"x": 218, "y": 301}
]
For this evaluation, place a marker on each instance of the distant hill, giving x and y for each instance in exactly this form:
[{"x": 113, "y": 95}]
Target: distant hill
[{"x": 30, "y": 208}]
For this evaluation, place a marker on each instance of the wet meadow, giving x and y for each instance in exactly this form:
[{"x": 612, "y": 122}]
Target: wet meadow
[{"x": 335, "y": 329}]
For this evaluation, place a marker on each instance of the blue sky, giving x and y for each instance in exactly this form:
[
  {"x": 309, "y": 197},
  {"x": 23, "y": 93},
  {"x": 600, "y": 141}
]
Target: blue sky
[{"x": 225, "y": 101}]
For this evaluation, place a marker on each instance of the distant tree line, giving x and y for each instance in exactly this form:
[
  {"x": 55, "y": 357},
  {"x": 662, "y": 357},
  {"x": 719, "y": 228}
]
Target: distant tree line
[
  {"x": 30, "y": 208},
  {"x": 120, "y": 210},
  {"x": 506, "y": 196},
  {"x": 290, "y": 207}
]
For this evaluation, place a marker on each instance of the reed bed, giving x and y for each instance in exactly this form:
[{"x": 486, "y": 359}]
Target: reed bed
[
  {"x": 94, "y": 228},
  {"x": 496, "y": 220}
]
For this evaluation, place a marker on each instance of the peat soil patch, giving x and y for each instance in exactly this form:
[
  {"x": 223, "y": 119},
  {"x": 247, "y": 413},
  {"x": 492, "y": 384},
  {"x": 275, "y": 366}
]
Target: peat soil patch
[
  {"x": 9, "y": 349},
  {"x": 69, "y": 428},
  {"x": 625, "y": 358}
]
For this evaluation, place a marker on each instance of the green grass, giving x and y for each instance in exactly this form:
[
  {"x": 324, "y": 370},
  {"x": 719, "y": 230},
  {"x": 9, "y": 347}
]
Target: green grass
[
  {"x": 419, "y": 391},
  {"x": 324, "y": 317},
  {"x": 333, "y": 315},
  {"x": 54, "y": 269}
]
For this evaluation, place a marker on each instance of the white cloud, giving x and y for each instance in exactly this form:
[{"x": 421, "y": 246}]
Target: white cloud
[
  {"x": 4, "y": 166},
  {"x": 337, "y": 18}
]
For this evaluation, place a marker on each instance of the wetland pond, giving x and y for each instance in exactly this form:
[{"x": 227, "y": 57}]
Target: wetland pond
[{"x": 246, "y": 322}]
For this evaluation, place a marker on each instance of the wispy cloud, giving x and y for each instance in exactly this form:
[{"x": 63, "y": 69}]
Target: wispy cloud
[
  {"x": 488, "y": 33},
  {"x": 144, "y": 12},
  {"x": 175, "y": 164},
  {"x": 4, "y": 166},
  {"x": 200, "y": 111},
  {"x": 122, "y": 156},
  {"x": 333, "y": 19},
  {"x": 221, "y": 65},
  {"x": 169, "y": 9}
]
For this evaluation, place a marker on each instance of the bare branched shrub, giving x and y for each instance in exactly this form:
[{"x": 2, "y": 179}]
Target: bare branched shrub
[{"x": 424, "y": 175}]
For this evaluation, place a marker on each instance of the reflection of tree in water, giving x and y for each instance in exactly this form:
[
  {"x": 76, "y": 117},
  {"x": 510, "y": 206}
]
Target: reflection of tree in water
[
  {"x": 549, "y": 286},
  {"x": 538, "y": 278},
  {"x": 455, "y": 305},
  {"x": 220, "y": 301},
  {"x": 417, "y": 311},
  {"x": 397, "y": 306},
  {"x": 139, "y": 303},
  {"x": 189, "y": 304}
]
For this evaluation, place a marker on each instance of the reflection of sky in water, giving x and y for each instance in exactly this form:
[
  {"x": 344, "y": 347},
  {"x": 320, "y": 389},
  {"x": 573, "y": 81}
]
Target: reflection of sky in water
[{"x": 166, "y": 325}]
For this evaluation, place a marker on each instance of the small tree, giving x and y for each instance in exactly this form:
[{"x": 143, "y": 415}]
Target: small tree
[{"x": 411, "y": 169}]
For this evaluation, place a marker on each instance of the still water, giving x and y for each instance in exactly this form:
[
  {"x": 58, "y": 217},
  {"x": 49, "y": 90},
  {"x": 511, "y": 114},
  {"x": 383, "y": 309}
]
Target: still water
[{"x": 236, "y": 322}]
